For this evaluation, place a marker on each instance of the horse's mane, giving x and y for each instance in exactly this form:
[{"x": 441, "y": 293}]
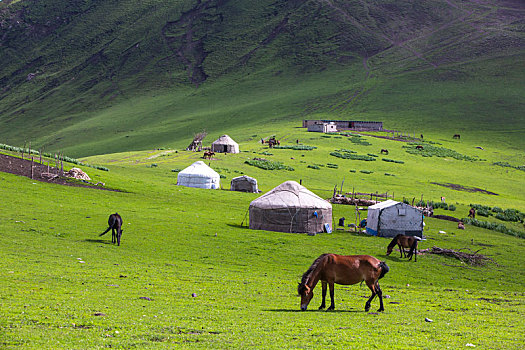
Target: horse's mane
[
  {"x": 308, "y": 273},
  {"x": 394, "y": 241}
]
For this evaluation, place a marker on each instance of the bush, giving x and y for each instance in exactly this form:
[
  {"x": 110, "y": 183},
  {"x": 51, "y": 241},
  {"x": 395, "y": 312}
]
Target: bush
[
  {"x": 494, "y": 227},
  {"x": 351, "y": 156},
  {"x": 366, "y": 171},
  {"x": 296, "y": 147},
  {"x": 176, "y": 170},
  {"x": 392, "y": 161},
  {"x": 313, "y": 167},
  {"x": 452, "y": 207},
  {"x": 333, "y": 166},
  {"x": 268, "y": 165}
]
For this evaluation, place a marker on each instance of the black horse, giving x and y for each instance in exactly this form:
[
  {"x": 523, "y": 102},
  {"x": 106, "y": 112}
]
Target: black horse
[{"x": 115, "y": 225}]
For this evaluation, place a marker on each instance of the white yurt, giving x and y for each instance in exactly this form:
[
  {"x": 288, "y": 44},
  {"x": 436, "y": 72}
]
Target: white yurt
[
  {"x": 225, "y": 144},
  {"x": 390, "y": 218},
  {"x": 199, "y": 175},
  {"x": 290, "y": 207}
]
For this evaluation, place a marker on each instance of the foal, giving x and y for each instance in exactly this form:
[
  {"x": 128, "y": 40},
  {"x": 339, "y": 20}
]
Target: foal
[
  {"x": 115, "y": 225},
  {"x": 404, "y": 242}
]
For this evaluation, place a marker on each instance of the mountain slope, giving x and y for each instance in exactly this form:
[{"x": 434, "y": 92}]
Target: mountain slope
[{"x": 83, "y": 75}]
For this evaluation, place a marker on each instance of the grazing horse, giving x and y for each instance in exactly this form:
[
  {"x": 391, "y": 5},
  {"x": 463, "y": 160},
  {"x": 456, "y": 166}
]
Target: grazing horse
[
  {"x": 456, "y": 136},
  {"x": 385, "y": 151},
  {"x": 472, "y": 213},
  {"x": 342, "y": 269},
  {"x": 404, "y": 242},
  {"x": 419, "y": 147},
  {"x": 115, "y": 225},
  {"x": 208, "y": 154}
]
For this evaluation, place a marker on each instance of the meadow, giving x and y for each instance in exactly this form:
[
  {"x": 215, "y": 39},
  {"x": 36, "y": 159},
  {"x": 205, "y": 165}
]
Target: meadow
[{"x": 190, "y": 274}]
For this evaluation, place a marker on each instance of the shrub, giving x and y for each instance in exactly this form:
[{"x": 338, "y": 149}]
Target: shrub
[
  {"x": 352, "y": 156},
  {"x": 497, "y": 210},
  {"x": 392, "y": 161},
  {"x": 494, "y": 227},
  {"x": 372, "y": 155},
  {"x": 333, "y": 166},
  {"x": 366, "y": 171},
  {"x": 452, "y": 207},
  {"x": 352, "y": 170},
  {"x": 296, "y": 147},
  {"x": 430, "y": 151},
  {"x": 176, "y": 170},
  {"x": 268, "y": 165},
  {"x": 313, "y": 167}
]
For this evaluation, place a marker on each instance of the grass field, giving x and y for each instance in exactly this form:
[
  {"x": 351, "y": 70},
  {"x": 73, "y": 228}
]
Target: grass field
[{"x": 188, "y": 275}]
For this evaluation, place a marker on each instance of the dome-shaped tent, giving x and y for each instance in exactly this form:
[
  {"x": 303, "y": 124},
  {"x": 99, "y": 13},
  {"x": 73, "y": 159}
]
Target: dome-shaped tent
[
  {"x": 290, "y": 207},
  {"x": 244, "y": 184},
  {"x": 199, "y": 175},
  {"x": 225, "y": 144}
]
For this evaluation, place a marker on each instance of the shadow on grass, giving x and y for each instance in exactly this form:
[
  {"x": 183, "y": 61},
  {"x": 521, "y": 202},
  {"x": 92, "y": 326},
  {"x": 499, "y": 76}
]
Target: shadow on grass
[
  {"x": 103, "y": 241},
  {"x": 313, "y": 310},
  {"x": 237, "y": 225}
]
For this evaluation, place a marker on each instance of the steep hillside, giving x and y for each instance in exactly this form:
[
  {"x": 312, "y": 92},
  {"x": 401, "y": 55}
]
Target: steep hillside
[{"x": 93, "y": 77}]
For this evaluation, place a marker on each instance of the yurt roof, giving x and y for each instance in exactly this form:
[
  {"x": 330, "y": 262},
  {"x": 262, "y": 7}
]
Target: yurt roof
[
  {"x": 245, "y": 178},
  {"x": 199, "y": 169},
  {"x": 290, "y": 194},
  {"x": 225, "y": 140},
  {"x": 383, "y": 205}
]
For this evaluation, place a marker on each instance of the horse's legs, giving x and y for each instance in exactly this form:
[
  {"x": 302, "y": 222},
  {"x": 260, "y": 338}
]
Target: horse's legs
[
  {"x": 113, "y": 237},
  {"x": 324, "y": 285},
  {"x": 401, "y": 250},
  {"x": 369, "y": 301},
  {"x": 380, "y": 294},
  {"x": 332, "y": 303}
]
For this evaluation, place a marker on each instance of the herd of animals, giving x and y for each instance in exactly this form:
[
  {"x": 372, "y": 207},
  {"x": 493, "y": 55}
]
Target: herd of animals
[{"x": 330, "y": 269}]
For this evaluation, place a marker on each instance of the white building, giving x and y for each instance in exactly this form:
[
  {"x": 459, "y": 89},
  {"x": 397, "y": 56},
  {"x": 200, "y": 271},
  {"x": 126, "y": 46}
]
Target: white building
[
  {"x": 322, "y": 127},
  {"x": 389, "y": 218}
]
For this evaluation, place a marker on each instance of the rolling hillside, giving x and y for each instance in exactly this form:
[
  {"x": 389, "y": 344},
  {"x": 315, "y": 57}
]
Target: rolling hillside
[{"x": 92, "y": 77}]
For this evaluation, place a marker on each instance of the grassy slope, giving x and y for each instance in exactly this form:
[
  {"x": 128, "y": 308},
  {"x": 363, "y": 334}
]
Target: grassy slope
[
  {"x": 423, "y": 67},
  {"x": 178, "y": 241}
]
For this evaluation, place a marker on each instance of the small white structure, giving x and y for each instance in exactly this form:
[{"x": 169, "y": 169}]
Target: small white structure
[
  {"x": 390, "y": 218},
  {"x": 199, "y": 175},
  {"x": 225, "y": 144},
  {"x": 323, "y": 127},
  {"x": 244, "y": 184}
]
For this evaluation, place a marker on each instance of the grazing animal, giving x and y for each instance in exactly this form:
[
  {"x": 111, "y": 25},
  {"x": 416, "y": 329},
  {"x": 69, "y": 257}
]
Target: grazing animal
[
  {"x": 456, "y": 136},
  {"x": 208, "y": 154},
  {"x": 345, "y": 270},
  {"x": 419, "y": 147},
  {"x": 404, "y": 242},
  {"x": 461, "y": 225},
  {"x": 385, "y": 151},
  {"x": 115, "y": 225},
  {"x": 421, "y": 136},
  {"x": 472, "y": 213}
]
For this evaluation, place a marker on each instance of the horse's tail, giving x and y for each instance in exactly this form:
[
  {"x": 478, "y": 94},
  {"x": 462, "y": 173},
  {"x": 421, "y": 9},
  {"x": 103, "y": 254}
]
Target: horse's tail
[
  {"x": 413, "y": 248},
  {"x": 384, "y": 269},
  {"x": 103, "y": 233}
]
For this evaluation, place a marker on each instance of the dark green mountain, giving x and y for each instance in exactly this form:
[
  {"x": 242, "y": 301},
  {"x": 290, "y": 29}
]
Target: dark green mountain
[{"x": 71, "y": 69}]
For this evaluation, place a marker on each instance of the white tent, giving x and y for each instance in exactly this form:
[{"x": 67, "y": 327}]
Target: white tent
[
  {"x": 225, "y": 144},
  {"x": 199, "y": 175},
  {"x": 290, "y": 207},
  {"x": 389, "y": 218}
]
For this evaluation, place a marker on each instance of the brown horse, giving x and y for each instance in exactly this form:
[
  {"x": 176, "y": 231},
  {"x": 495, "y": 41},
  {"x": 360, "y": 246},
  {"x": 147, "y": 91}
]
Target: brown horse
[
  {"x": 472, "y": 213},
  {"x": 208, "y": 154},
  {"x": 342, "y": 269},
  {"x": 115, "y": 225},
  {"x": 404, "y": 242},
  {"x": 385, "y": 151},
  {"x": 456, "y": 136},
  {"x": 419, "y": 147}
]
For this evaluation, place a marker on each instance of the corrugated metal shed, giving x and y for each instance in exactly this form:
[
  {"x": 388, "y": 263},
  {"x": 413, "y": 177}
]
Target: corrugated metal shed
[{"x": 389, "y": 218}]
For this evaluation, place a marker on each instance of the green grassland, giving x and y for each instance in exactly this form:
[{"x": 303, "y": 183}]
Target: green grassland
[
  {"x": 63, "y": 286},
  {"x": 126, "y": 85}
]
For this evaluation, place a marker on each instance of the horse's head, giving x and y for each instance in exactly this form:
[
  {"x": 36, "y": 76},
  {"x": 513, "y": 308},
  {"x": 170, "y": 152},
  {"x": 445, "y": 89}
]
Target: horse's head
[
  {"x": 389, "y": 250},
  {"x": 306, "y": 294}
]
